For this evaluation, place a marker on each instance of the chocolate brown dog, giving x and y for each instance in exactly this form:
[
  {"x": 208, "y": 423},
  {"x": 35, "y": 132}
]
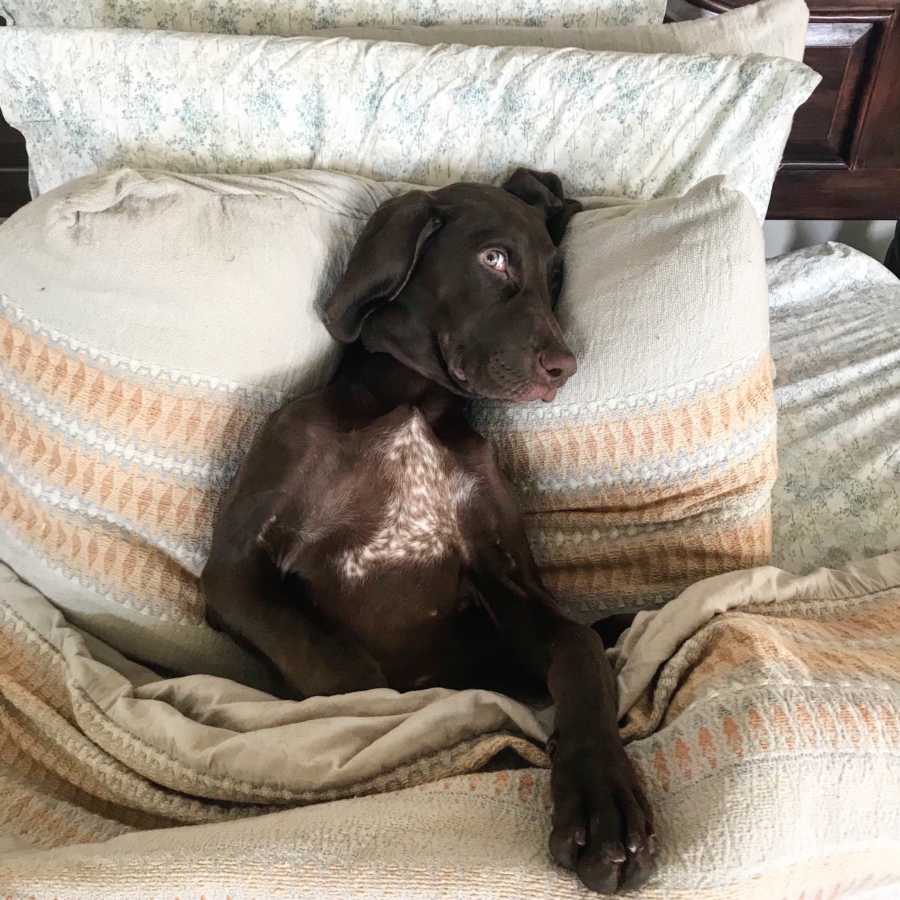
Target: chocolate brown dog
[{"x": 370, "y": 538}]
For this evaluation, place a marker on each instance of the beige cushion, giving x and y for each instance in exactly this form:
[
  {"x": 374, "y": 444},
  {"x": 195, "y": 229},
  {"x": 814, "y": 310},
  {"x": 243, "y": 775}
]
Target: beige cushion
[
  {"x": 654, "y": 465},
  {"x": 148, "y": 324},
  {"x": 771, "y": 27}
]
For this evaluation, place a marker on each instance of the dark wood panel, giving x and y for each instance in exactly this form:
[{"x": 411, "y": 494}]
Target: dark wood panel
[
  {"x": 12, "y": 146},
  {"x": 807, "y": 193},
  {"x": 878, "y": 145},
  {"x": 14, "y": 193},
  {"x": 13, "y": 170},
  {"x": 892, "y": 260},
  {"x": 824, "y": 127},
  {"x": 817, "y": 8}
]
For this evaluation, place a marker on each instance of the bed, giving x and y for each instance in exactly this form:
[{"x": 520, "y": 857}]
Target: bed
[
  {"x": 843, "y": 158},
  {"x": 740, "y": 699}
]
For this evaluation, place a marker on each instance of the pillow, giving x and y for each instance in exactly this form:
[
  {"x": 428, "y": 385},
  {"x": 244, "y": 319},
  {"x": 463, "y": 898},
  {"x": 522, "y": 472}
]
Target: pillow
[
  {"x": 653, "y": 467},
  {"x": 289, "y": 17},
  {"x": 148, "y": 324},
  {"x": 638, "y": 125},
  {"x": 836, "y": 343},
  {"x": 771, "y": 27}
]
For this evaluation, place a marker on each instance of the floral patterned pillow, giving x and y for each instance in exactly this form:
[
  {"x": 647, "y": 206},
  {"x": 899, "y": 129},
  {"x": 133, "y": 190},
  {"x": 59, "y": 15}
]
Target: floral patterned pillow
[
  {"x": 622, "y": 124},
  {"x": 290, "y": 17}
]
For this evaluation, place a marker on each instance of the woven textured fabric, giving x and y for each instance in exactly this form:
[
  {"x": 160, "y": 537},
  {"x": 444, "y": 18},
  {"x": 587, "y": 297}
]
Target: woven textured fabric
[
  {"x": 762, "y": 712},
  {"x": 654, "y": 465},
  {"x": 148, "y": 325}
]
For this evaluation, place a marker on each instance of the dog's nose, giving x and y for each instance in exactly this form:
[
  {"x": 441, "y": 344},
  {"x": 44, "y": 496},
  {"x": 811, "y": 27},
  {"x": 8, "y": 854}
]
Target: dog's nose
[{"x": 557, "y": 365}]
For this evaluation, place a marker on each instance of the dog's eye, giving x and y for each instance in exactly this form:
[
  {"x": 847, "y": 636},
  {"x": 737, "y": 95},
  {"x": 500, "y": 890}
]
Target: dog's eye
[{"x": 494, "y": 259}]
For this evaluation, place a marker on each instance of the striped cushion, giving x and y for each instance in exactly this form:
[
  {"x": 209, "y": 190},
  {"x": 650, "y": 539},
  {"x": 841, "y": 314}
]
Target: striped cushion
[
  {"x": 148, "y": 324},
  {"x": 654, "y": 466}
]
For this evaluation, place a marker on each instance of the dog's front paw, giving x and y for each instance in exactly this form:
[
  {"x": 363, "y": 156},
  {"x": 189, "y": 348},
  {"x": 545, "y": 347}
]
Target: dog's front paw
[{"x": 601, "y": 820}]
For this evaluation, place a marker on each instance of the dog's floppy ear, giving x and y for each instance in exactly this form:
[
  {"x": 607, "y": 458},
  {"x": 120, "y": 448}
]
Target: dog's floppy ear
[
  {"x": 544, "y": 191},
  {"x": 381, "y": 263}
]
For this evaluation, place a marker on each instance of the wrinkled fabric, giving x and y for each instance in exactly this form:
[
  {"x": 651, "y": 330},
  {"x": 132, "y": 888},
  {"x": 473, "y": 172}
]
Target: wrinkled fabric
[
  {"x": 770, "y": 27},
  {"x": 835, "y": 321},
  {"x": 762, "y": 712}
]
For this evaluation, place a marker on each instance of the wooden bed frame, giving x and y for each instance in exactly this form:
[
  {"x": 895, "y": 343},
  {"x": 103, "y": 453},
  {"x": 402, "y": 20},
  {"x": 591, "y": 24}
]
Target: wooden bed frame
[{"x": 843, "y": 157}]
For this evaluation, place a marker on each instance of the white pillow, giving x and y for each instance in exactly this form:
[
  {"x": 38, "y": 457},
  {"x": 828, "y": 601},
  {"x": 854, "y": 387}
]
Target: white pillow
[
  {"x": 149, "y": 323},
  {"x": 290, "y": 17},
  {"x": 771, "y": 27},
  {"x": 638, "y": 125}
]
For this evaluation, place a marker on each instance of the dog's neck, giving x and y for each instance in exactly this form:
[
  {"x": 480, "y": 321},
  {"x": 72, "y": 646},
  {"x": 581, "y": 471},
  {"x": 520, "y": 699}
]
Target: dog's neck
[{"x": 384, "y": 383}]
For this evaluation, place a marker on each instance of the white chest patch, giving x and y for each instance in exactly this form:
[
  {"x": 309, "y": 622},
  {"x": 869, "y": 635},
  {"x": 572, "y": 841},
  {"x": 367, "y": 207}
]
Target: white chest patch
[{"x": 420, "y": 522}]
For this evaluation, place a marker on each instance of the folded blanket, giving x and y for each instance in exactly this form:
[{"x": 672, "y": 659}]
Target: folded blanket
[
  {"x": 762, "y": 710},
  {"x": 202, "y": 748}
]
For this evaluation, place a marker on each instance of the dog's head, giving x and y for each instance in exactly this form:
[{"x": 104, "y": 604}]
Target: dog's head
[{"x": 460, "y": 283}]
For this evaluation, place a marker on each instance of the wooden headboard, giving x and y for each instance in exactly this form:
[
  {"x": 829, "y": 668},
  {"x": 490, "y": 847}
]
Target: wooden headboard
[{"x": 843, "y": 157}]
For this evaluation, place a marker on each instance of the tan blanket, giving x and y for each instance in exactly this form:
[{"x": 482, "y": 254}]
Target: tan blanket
[
  {"x": 763, "y": 712},
  {"x": 76, "y": 714}
]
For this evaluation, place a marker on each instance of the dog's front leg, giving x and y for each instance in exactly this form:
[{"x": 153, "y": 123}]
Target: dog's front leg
[{"x": 601, "y": 820}]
